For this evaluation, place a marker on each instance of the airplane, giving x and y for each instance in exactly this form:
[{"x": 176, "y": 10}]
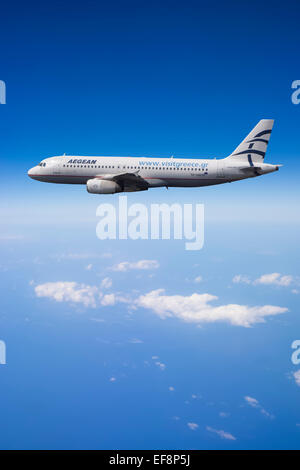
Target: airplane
[{"x": 109, "y": 175}]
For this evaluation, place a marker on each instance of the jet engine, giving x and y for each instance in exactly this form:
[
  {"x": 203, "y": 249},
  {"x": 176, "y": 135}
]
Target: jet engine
[{"x": 98, "y": 186}]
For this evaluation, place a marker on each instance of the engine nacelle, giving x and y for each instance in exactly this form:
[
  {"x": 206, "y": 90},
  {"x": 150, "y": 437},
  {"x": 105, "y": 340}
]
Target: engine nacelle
[{"x": 98, "y": 186}]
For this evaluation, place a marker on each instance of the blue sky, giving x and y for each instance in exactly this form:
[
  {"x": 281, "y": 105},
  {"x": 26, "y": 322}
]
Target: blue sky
[{"x": 183, "y": 78}]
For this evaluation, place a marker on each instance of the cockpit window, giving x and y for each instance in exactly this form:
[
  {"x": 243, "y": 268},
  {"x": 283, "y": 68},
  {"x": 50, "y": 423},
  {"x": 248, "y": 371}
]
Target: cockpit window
[{"x": 42, "y": 164}]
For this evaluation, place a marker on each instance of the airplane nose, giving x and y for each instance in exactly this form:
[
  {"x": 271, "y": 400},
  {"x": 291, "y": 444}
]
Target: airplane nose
[{"x": 30, "y": 172}]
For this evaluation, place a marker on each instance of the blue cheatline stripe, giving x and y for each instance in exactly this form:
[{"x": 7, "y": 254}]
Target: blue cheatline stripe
[
  {"x": 258, "y": 140},
  {"x": 264, "y": 133},
  {"x": 250, "y": 160}
]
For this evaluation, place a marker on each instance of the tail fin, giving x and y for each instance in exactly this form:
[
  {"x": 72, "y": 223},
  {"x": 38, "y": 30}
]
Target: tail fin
[{"x": 254, "y": 146}]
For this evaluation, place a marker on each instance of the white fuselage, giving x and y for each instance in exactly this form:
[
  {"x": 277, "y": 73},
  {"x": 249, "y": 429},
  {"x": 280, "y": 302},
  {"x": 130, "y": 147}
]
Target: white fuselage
[{"x": 156, "y": 171}]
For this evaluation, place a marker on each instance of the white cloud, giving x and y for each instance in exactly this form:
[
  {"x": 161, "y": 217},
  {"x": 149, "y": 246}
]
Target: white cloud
[
  {"x": 255, "y": 404},
  {"x": 221, "y": 433},
  {"x": 108, "y": 300},
  {"x": 142, "y": 264},
  {"x": 68, "y": 292},
  {"x": 89, "y": 296},
  {"x": 89, "y": 267},
  {"x": 196, "y": 308},
  {"x": 135, "y": 341},
  {"x": 266, "y": 413},
  {"x": 252, "y": 401},
  {"x": 161, "y": 365},
  {"x": 106, "y": 283},
  {"x": 275, "y": 279},
  {"x": 193, "y": 426},
  {"x": 296, "y": 376},
  {"x": 241, "y": 279}
]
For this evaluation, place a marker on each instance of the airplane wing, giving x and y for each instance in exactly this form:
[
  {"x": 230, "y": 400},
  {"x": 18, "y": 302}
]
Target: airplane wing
[{"x": 128, "y": 181}]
